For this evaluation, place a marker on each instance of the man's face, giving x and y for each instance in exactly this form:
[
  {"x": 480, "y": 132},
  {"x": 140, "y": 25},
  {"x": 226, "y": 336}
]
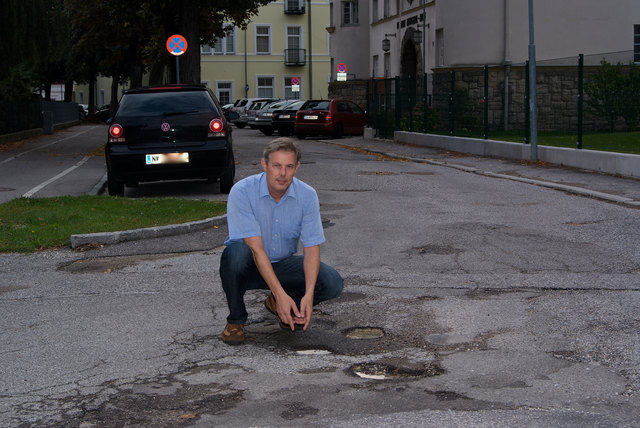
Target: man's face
[{"x": 280, "y": 170}]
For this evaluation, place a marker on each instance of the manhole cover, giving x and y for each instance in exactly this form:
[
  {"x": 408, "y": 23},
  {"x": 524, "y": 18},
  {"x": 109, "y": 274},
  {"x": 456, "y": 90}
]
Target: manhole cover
[
  {"x": 381, "y": 371},
  {"x": 365, "y": 333}
]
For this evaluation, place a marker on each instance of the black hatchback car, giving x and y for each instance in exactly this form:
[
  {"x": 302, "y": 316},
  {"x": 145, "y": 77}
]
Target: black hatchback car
[{"x": 168, "y": 133}]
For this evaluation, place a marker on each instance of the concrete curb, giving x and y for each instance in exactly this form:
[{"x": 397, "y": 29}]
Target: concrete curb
[
  {"x": 145, "y": 233},
  {"x": 569, "y": 189},
  {"x": 608, "y": 162}
]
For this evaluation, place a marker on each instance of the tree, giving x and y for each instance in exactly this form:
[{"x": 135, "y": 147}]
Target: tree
[
  {"x": 200, "y": 22},
  {"x": 123, "y": 39}
]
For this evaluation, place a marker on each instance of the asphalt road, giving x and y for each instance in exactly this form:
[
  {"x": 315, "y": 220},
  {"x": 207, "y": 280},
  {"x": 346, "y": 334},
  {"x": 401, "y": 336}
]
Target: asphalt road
[{"x": 469, "y": 300}]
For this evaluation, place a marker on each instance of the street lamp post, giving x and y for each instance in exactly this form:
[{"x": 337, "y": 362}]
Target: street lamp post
[{"x": 533, "y": 109}]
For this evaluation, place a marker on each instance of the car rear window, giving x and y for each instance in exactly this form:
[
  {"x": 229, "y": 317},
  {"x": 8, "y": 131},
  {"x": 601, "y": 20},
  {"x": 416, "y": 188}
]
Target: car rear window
[
  {"x": 316, "y": 105},
  {"x": 165, "y": 103}
]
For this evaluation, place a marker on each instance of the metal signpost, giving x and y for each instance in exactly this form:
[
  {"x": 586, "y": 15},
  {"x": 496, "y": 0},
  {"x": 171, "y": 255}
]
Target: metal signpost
[{"x": 177, "y": 45}]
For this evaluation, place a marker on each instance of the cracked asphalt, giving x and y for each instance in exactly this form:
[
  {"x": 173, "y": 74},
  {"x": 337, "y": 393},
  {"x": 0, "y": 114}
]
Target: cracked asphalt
[{"x": 470, "y": 300}]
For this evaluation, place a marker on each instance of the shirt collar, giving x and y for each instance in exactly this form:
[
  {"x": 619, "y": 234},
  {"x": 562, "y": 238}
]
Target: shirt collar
[{"x": 264, "y": 190}]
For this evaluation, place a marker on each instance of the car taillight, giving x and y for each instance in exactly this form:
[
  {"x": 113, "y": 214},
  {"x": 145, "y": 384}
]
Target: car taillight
[
  {"x": 216, "y": 128},
  {"x": 116, "y": 133},
  {"x": 327, "y": 118}
]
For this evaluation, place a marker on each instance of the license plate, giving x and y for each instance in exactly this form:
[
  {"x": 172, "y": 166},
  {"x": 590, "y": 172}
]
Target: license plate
[
  {"x": 310, "y": 117},
  {"x": 167, "y": 158},
  {"x": 285, "y": 116}
]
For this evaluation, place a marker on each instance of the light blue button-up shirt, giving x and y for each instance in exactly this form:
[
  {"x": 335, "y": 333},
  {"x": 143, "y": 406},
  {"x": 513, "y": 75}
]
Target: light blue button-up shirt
[{"x": 251, "y": 211}]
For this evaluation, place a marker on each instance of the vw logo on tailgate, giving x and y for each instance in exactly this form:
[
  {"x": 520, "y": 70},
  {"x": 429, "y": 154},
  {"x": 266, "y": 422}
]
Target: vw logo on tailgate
[{"x": 165, "y": 127}]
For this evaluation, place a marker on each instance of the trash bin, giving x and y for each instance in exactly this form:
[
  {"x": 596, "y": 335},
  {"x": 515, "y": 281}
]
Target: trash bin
[{"x": 47, "y": 122}]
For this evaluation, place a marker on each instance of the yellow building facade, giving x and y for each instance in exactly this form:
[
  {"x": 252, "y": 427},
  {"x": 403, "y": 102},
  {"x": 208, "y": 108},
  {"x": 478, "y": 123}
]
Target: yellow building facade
[{"x": 285, "y": 42}]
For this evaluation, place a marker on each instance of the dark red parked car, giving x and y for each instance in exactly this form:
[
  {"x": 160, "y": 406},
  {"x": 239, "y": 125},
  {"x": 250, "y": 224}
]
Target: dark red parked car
[{"x": 329, "y": 117}]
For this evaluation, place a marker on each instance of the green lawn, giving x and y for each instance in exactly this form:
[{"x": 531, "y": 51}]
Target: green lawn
[
  {"x": 621, "y": 142},
  {"x": 33, "y": 224}
]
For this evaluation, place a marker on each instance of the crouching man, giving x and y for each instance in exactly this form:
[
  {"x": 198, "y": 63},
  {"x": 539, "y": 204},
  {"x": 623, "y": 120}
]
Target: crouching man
[{"x": 267, "y": 215}]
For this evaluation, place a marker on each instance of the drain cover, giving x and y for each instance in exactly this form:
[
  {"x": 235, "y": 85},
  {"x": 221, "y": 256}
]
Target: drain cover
[{"x": 365, "y": 333}]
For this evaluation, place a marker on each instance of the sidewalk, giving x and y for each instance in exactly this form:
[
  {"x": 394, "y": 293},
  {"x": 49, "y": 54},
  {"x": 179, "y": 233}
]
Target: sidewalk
[{"x": 620, "y": 190}]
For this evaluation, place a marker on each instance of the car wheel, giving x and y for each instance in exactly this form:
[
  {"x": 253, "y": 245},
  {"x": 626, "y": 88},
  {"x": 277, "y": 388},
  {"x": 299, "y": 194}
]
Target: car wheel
[
  {"x": 301, "y": 136},
  {"x": 240, "y": 125},
  {"x": 338, "y": 131},
  {"x": 114, "y": 187},
  {"x": 226, "y": 181},
  {"x": 266, "y": 131}
]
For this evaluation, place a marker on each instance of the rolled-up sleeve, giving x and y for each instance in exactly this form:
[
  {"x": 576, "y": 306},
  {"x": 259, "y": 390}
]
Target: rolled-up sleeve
[
  {"x": 241, "y": 218},
  {"x": 311, "y": 232}
]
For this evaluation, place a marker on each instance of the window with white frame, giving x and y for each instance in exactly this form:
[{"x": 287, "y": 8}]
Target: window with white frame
[
  {"x": 265, "y": 86},
  {"x": 636, "y": 43},
  {"x": 222, "y": 45},
  {"x": 263, "y": 39},
  {"x": 374, "y": 11},
  {"x": 294, "y": 44},
  {"x": 350, "y": 12},
  {"x": 224, "y": 92},
  {"x": 288, "y": 92},
  {"x": 387, "y": 9},
  {"x": 440, "y": 47},
  {"x": 387, "y": 65}
]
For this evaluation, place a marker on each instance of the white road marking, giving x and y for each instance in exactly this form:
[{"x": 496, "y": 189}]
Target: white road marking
[
  {"x": 51, "y": 180},
  {"x": 45, "y": 145}
]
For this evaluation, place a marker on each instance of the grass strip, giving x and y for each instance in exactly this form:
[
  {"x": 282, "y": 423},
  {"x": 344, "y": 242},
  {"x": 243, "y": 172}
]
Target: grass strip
[
  {"x": 620, "y": 142},
  {"x": 31, "y": 224}
]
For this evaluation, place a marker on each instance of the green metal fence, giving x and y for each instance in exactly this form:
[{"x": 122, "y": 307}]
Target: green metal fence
[
  {"x": 19, "y": 115},
  {"x": 487, "y": 101}
]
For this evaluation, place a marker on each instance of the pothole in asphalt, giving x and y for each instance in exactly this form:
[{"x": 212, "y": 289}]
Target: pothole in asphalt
[
  {"x": 438, "y": 250},
  {"x": 420, "y": 173},
  {"x": 110, "y": 264},
  {"x": 382, "y": 371},
  {"x": 318, "y": 351},
  {"x": 365, "y": 333},
  {"x": 376, "y": 173}
]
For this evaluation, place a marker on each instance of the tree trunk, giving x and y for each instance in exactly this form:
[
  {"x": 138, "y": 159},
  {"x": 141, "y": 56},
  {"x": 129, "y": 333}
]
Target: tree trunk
[
  {"x": 68, "y": 91},
  {"x": 190, "y": 29},
  {"x": 92, "y": 97},
  {"x": 113, "y": 106}
]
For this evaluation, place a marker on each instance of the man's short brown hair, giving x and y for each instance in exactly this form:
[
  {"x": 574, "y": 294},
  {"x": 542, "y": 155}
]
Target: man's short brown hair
[{"x": 282, "y": 143}]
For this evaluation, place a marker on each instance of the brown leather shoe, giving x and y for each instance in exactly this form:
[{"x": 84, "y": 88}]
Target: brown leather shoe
[
  {"x": 271, "y": 305},
  {"x": 233, "y": 334}
]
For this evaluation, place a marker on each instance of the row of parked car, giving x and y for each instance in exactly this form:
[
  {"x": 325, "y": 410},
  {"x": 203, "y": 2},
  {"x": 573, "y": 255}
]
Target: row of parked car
[
  {"x": 299, "y": 117},
  {"x": 175, "y": 132}
]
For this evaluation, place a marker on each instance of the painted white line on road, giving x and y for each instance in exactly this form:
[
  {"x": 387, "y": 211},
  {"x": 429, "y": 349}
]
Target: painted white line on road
[
  {"x": 51, "y": 180},
  {"x": 45, "y": 145}
]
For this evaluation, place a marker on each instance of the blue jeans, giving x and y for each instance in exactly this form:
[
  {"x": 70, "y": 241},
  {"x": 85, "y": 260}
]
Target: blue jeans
[{"x": 239, "y": 273}]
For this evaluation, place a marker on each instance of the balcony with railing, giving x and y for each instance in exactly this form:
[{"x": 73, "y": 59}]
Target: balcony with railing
[
  {"x": 294, "y": 7},
  {"x": 295, "y": 57}
]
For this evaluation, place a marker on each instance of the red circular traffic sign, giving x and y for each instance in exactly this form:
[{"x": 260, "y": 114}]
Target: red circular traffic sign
[
  {"x": 176, "y": 45},
  {"x": 342, "y": 68},
  {"x": 295, "y": 81}
]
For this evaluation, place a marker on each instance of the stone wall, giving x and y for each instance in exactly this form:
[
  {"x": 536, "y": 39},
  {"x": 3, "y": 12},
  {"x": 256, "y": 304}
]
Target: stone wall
[
  {"x": 557, "y": 96},
  {"x": 354, "y": 90}
]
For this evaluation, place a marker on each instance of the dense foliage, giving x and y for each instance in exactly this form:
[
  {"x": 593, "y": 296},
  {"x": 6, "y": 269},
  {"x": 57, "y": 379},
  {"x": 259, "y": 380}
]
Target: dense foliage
[
  {"x": 613, "y": 92},
  {"x": 76, "y": 40}
]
